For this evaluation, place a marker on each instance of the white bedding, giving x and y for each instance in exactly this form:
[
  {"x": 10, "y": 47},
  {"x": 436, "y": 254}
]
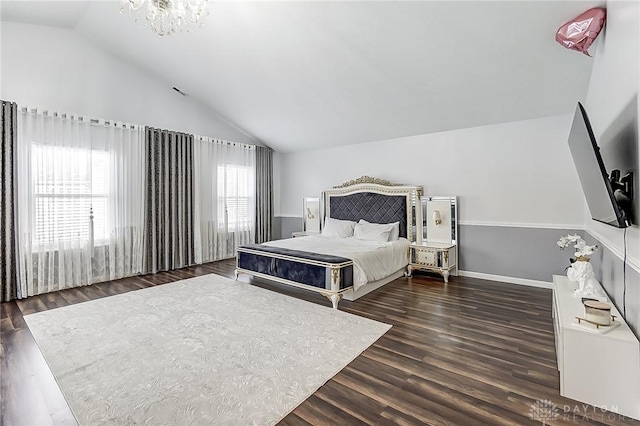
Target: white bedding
[{"x": 372, "y": 260}]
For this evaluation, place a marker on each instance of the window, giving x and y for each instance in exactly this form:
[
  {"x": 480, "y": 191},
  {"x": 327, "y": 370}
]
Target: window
[
  {"x": 68, "y": 183},
  {"x": 235, "y": 192}
]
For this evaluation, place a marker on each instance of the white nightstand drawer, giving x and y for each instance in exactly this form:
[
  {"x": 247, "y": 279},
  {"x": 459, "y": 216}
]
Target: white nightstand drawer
[{"x": 426, "y": 257}]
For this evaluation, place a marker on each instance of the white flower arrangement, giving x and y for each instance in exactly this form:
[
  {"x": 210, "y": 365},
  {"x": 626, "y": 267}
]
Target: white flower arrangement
[{"x": 583, "y": 251}]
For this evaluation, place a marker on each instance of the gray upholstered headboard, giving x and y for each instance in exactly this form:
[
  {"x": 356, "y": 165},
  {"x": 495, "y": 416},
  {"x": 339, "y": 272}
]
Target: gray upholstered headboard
[
  {"x": 372, "y": 207},
  {"x": 373, "y": 200}
]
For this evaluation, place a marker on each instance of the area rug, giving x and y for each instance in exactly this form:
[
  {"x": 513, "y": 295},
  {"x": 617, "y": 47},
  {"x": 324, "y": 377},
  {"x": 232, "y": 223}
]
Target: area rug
[{"x": 202, "y": 351}]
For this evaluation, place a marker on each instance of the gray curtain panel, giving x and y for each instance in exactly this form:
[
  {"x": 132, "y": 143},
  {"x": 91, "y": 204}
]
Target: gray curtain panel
[
  {"x": 169, "y": 240},
  {"x": 264, "y": 194},
  {"x": 8, "y": 264}
]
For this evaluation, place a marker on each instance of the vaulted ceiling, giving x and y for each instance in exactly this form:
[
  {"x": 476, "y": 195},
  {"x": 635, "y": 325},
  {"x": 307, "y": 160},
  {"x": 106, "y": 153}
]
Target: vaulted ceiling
[{"x": 306, "y": 75}]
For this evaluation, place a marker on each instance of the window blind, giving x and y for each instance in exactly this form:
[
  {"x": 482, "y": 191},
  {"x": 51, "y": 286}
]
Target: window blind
[
  {"x": 70, "y": 185},
  {"x": 234, "y": 195}
]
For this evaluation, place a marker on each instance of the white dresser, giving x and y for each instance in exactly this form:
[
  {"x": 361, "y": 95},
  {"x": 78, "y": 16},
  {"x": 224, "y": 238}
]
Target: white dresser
[{"x": 599, "y": 369}]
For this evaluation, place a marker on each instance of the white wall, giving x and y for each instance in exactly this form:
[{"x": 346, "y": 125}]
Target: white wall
[
  {"x": 518, "y": 173},
  {"x": 612, "y": 95},
  {"x": 58, "y": 69}
]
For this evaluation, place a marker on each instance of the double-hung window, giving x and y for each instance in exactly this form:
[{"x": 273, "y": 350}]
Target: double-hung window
[
  {"x": 71, "y": 194},
  {"x": 235, "y": 193}
]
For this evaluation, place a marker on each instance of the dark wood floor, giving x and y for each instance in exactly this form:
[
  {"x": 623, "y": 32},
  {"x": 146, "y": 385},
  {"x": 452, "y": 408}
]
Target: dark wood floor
[{"x": 470, "y": 352}]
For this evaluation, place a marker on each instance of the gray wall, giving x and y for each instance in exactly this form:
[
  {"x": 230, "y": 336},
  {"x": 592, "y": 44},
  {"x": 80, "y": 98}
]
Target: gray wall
[
  {"x": 529, "y": 253},
  {"x": 609, "y": 270},
  {"x": 277, "y": 228},
  {"x": 284, "y": 226}
]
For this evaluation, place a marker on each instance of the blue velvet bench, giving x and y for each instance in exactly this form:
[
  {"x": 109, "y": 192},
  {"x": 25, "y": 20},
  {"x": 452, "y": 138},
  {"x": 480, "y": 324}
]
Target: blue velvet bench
[{"x": 326, "y": 274}]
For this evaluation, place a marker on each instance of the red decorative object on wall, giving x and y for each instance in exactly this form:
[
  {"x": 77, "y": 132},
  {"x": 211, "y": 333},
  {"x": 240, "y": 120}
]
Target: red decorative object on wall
[{"x": 579, "y": 33}]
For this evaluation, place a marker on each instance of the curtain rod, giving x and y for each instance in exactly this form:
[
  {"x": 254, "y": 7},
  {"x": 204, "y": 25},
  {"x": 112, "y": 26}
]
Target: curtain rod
[
  {"x": 225, "y": 142},
  {"x": 99, "y": 121},
  {"x": 81, "y": 118}
]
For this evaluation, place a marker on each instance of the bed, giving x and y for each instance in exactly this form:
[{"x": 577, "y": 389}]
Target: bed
[{"x": 337, "y": 267}]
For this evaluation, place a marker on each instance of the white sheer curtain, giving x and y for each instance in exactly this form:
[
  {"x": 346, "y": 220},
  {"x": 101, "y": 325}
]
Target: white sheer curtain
[
  {"x": 224, "y": 197},
  {"x": 80, "y": 200}
]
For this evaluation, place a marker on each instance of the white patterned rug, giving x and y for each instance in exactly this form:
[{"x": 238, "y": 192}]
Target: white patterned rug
[{"x": 205, "y": 351}]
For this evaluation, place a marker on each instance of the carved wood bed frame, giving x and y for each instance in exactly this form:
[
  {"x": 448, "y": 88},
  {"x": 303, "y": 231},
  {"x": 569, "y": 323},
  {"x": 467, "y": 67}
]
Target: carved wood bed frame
[{"x": 375, "y": 200}]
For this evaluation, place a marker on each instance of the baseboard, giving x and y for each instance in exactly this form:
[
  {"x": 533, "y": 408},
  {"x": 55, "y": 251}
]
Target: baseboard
[{"x": 511, "y": 280}]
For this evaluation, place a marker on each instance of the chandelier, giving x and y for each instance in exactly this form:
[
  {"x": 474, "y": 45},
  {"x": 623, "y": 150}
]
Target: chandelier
[{"x": 166, "y": 17}]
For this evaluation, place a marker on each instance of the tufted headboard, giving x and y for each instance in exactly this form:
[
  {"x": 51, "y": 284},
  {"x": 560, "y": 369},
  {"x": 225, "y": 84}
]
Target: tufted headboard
[{"x": 374, "y": 200}]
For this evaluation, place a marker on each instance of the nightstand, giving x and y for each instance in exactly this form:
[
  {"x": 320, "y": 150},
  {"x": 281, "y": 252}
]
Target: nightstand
[
  {"x": 435, "y": 257},
  {"x": 303, "y": 234}
]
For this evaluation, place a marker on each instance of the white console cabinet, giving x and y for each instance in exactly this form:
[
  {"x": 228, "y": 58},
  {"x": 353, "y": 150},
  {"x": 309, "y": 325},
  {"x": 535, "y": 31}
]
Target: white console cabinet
[{"x": 598, "y": 369}]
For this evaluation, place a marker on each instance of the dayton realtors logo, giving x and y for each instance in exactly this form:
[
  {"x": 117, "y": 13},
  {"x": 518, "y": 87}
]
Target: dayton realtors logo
[
  {"x": 546, "y": 411},
  {"x": 543, "y": 411}
]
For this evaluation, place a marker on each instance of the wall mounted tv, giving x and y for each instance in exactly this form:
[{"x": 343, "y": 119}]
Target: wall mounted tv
[{"x": 608, "y": 197}]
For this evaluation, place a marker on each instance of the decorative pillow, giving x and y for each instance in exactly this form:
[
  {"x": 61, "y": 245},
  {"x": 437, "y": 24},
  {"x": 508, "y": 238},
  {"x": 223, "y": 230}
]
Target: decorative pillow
[
  {"x": 395, "y": 230},
  {"x": 338, "y": 228},
  {"x": 372, "y": 231}
]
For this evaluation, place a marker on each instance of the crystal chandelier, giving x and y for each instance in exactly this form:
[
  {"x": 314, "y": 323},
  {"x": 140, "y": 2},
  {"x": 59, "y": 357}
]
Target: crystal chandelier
[{"x": 166, "y": 17}]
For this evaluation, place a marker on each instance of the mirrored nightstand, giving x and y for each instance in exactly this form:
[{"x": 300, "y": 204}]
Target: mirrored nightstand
[{"x": 435, "y": 257}]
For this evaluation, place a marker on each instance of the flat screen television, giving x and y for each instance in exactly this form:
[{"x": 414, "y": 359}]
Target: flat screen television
[{"x": 605, "y": 202}]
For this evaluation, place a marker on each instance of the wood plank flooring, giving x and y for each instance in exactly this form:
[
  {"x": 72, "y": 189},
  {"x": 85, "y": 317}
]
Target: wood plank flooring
[{"x": 467, "y": 353}]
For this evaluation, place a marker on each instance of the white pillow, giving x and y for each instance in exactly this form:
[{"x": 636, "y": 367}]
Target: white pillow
[
  {"x": 338, "y": 228},
  {"x": 395, "y": 230},
  {"x": 372, "y": 232}
]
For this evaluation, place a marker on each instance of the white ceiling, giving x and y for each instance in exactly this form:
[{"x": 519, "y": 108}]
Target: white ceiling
[
  {"x": 307, "y": 75},
  {"x": 64, "y": 14}
]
